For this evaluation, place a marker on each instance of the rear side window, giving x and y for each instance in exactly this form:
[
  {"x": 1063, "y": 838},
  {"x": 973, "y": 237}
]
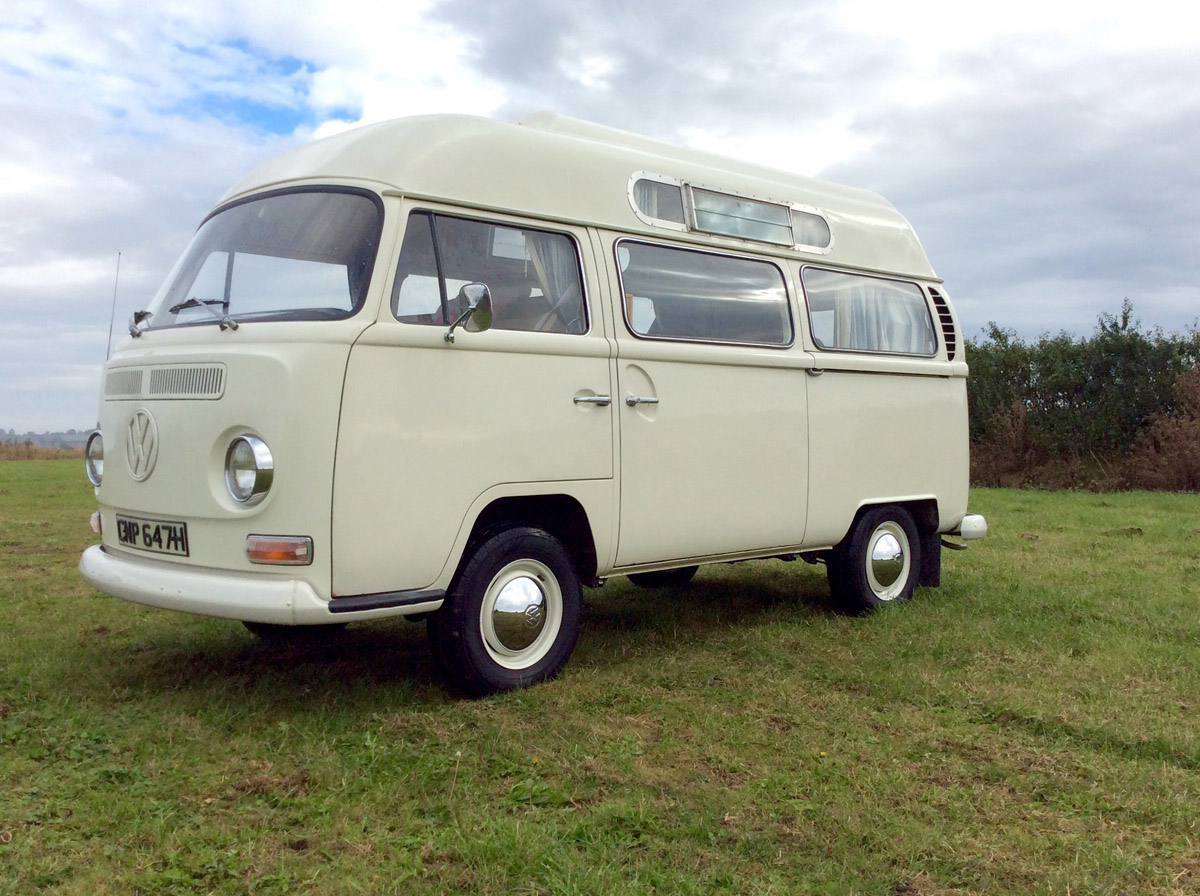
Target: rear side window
[
  {"x": 859, "y": 313},
  {"x": 672, "y": 293},
  {"x": 533, "y": 275}
]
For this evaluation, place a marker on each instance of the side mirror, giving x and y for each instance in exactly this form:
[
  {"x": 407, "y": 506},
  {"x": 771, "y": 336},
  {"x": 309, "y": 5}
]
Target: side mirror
[
  {"x": 478, "y": 316},
  {"x": 138, "y": 318}
]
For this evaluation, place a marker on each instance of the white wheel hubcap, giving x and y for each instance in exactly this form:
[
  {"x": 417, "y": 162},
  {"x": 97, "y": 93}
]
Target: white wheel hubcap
[
  {"x": 521, "y": 614},
  {"x": 888, "y": 560}
]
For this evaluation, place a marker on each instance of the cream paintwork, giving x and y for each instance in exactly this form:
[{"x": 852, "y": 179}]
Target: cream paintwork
[
  {"x": 389, "y": 443},
  {"x": 719, "y": 464},
  {"x": 276, "y": 599},
  {"x": 287, "y": 393},
  {"x": 679, "y": 471},
  {"x": 882, "y": 438},
  {"x": 427, "y": 427},
  {"x": 885, "y": 429},
  {"x": 557, "y": 169}
]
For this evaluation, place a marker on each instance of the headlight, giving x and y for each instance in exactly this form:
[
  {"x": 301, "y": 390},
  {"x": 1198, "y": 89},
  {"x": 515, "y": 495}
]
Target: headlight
[
  {"x": 249, "y": 469},
  {"x": 93, "y": 458}
]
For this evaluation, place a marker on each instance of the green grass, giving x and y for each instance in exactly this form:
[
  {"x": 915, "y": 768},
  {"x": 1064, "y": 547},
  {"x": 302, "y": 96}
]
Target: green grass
[{"x": 1029, "y": 727}]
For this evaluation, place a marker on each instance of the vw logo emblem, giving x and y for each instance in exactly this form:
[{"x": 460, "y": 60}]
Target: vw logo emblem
[
  {"x": 534, "y": 613},
  {"x": 141, "y": 445}
]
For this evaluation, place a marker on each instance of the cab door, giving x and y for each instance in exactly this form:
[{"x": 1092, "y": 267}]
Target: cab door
[
  {"x": 430, "y": 427},
  {"x": 711, "y": 406}
]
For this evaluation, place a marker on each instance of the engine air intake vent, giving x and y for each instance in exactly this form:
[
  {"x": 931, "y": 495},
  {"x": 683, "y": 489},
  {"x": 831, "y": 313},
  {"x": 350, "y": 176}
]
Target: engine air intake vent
[{"x": 946, "y": 320}]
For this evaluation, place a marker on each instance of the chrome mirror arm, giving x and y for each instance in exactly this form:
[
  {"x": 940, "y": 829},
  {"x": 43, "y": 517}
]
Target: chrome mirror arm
[
  {"x": 448, "y": 336},
  {"x": 478, "y": 299}
]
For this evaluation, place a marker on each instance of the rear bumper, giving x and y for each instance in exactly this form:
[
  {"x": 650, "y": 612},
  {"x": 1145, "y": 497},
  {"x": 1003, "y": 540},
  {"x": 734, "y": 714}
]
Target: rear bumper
[
  {"x": 210, "y": 592},
  {"x": 972, "y": 526}
]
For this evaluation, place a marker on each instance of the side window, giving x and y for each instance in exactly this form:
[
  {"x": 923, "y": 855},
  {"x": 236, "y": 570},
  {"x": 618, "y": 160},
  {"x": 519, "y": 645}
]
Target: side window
[
  {"x": 856, "y": 312},
  {"x": 533, "y": 275},
  {"x": 659, "y": 201},
  {"x": 676, "y": 205},
  {"x": 684, "y": 294}
]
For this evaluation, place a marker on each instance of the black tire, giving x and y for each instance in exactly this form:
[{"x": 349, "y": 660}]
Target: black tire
[
  {"x": 664, "y": 578},
  {"x": 484, "y": 648},
  {"x": 931, "y": 560},
  {"x": 293, "y": 635},
  {"x": 878, "y": 562}
]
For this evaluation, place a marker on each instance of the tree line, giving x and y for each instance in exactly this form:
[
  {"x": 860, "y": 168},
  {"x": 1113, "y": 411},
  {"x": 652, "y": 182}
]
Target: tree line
[{"x": 1119, "y": 409}]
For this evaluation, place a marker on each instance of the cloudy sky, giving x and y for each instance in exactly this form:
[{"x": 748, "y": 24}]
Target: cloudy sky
[{"x": 1047, "y": 153}]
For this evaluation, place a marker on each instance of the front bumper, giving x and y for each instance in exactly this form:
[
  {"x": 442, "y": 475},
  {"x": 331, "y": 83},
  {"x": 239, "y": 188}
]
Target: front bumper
[{"x": 208, "y": 592}]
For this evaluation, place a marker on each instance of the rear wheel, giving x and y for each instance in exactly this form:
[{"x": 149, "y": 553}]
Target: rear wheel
[
  {"x": 512, "y": 616},
  {"x": 664, "y": 578},
  {"x": 878, "y": 562}
]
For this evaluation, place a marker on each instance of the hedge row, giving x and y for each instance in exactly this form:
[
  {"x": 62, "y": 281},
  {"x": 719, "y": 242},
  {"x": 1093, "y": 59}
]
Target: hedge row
[{"x": 1103, "y": 411}]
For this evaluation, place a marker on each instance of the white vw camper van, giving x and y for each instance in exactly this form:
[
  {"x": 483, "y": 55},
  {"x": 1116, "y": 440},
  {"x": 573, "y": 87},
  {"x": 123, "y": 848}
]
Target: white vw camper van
[{"x": 458, "y": 369}]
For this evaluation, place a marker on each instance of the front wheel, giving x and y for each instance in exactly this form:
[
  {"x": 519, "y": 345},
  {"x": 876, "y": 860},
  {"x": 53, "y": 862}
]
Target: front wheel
[
  {"x": 512, "y": 617},
  {"x": 878, "y": 562}
]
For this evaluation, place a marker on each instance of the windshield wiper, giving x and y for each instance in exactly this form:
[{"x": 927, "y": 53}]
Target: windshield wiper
[
  {"x": 225, "y": 320},
  {"x": 194, "y": 303}
]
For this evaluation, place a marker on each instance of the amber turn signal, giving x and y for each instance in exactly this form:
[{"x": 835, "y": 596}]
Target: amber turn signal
[{"x": 280, "y": 550}]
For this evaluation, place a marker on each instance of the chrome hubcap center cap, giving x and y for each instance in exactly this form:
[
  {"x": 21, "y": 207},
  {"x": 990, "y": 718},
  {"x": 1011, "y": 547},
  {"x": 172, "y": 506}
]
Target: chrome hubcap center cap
[
  {"x": 887, "y": 560},
  {"x": 519, "y": 613}
]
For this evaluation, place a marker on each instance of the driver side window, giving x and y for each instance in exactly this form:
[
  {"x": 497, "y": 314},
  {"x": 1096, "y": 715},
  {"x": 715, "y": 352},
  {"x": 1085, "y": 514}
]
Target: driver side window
[{"x": 533, "y": 275}]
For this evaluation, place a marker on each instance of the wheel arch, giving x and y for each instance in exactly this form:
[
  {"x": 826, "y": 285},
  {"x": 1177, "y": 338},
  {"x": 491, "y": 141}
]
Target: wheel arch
[
  {"x": 925, "y": 514},
  {"x": 559, "y": 514},
  {"x": 924, "y": 511}
]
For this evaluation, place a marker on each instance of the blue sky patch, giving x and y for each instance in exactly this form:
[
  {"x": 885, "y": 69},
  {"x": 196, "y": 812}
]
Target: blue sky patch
[
  {"x": 274, "y": 119},
  {"x": 252, "y": 88}
]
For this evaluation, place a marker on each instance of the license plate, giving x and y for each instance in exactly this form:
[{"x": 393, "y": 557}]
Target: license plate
[{"x": 159, "y": 536}]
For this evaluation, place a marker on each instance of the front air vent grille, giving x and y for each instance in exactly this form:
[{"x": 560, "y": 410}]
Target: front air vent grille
[
  {"x": 176, "y": 381},
  {"x": 124, "y": 383},
  {"x": 946, "y": 320},
  {"x": 186, "y": 382}
]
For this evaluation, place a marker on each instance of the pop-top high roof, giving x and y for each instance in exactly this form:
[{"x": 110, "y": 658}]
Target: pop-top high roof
[{"x": 563, "y": 169}]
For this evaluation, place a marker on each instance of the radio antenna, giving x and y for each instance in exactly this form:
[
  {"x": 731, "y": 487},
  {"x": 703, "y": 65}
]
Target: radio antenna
[{"x": 113, "y": 316}]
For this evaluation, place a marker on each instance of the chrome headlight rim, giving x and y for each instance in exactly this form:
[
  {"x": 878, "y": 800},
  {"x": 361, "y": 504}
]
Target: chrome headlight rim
[
  {"x": 249, "y": 470},
  {"x": 93, "y": 458}
]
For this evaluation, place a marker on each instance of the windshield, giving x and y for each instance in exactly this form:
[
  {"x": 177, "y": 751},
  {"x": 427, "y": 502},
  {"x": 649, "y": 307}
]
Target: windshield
[{"x": 286, "y": 256}]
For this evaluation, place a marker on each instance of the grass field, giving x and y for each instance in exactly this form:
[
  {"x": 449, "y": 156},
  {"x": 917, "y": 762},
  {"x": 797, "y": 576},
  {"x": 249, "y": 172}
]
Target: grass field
[{"x": 1029, "y": 727}]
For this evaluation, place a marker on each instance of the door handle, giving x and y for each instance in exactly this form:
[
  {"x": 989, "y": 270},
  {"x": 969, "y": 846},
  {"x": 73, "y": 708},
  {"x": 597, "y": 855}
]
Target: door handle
[
  {"x": 814, "y": 371},
  {"x": 633, "y": 400},
  {"x": 598, "y": 400}
]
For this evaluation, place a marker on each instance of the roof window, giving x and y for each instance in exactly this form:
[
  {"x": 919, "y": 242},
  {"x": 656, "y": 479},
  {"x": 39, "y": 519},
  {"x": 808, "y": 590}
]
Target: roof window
[{"x": 676, "y": 205}]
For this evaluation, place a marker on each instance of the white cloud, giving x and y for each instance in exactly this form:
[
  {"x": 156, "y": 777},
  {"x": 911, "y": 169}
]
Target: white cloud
[
  {"x": 1075, "y": 26},
  {"x": 1044, "y": 151}
]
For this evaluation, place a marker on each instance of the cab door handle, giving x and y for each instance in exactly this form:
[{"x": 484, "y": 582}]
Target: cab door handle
[
  {"x": 599, "y": 400},
  {"x": 634, "y": 400}
]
